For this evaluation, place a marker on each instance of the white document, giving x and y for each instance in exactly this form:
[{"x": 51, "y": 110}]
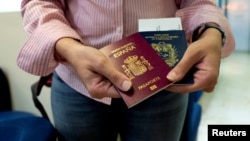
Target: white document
[{"x": 159, "y": 24}]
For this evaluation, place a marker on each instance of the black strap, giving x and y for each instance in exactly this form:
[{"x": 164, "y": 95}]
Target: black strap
[{"x": 36, "y": 89}]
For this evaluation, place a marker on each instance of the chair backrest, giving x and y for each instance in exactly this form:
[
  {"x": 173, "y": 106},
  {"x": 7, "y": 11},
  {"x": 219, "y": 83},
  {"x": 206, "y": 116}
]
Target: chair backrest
[{"x": 5, "y": 97}]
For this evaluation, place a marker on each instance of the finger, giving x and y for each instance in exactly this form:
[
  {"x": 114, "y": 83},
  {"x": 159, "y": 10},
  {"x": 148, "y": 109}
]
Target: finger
[
  {"x": 181, "y": 88},
  {"x": 202, "y": 80},
  {"x": 209, "y": 89},
  {"x": 103, "y": 88},
  {"x": 117, "y": 78},
  {"x": 190, "y": 58},
  {"x": 189, "y": 88},
  {"x": 98, "y": 86}
]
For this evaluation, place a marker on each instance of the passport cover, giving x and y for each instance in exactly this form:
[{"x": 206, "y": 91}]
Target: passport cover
[
  {"x": 135, "y": 57},
  {"x": 171, "y": 46}
]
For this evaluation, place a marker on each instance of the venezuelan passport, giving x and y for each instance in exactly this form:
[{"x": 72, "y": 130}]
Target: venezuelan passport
[
  {"x": 171, "y": 46},
  {"x": 136, "y": 58}
]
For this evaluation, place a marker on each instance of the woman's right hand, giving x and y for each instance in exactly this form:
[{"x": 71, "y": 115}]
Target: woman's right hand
[{"x": 95, "y": 71}]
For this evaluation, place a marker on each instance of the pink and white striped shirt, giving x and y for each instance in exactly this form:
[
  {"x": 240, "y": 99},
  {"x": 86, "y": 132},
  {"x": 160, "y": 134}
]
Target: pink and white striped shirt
[{"x": 98, "y": 23}]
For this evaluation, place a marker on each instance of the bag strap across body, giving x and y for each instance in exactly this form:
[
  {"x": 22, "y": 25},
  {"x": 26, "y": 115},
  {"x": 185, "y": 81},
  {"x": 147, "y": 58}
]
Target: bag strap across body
[{"x": 36, "y": 89}]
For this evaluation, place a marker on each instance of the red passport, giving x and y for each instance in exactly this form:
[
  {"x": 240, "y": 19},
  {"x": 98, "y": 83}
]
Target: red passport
[{"x": 136, "y": 58}]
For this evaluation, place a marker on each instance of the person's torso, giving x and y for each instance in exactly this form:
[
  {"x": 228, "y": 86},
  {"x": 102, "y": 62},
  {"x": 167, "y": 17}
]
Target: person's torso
[{"x": 100, "y": 22}]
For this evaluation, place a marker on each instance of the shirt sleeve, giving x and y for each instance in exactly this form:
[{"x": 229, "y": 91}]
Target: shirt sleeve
[
  {"x": 195, "y": 12},
  {"x": 44, "y": 23}
]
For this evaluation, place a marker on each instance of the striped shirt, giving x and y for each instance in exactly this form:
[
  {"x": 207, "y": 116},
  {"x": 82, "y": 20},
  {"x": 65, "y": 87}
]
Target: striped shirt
[{"x": 98, "y": 23}]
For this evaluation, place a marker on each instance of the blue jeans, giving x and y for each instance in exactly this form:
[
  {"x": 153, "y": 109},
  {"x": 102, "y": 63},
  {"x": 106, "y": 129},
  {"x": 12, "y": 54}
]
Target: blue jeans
[{"x": 79, "y": 118}]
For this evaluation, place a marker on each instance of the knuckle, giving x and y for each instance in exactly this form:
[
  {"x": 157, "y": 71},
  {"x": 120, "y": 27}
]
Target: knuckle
[
  {"x": 116, "y": 77},
  {"x": 95, "y": 95},
  {"x": 101, "y": 62},
  {"x": 213, "y": 78},
  {"x": 208, "y": 90}
]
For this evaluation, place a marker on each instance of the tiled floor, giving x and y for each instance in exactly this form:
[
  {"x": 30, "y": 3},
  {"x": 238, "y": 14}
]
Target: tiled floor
[{"x": 230, "y": 102}]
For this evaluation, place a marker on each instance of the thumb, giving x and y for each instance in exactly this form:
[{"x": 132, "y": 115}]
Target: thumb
[
  {"x": 117, "y": 78},
  {"x": 186, "y": 63}
]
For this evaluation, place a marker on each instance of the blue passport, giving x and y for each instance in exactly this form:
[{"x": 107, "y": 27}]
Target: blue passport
[{"x": 170, "y": 46}]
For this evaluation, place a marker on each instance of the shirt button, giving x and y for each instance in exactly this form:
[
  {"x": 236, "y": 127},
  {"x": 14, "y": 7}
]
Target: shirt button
[{"x": 118, "y": 29}]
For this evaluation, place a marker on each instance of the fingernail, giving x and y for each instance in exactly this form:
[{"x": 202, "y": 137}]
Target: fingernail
[
  {"x": 172, "y": 76},
  {"x": 126, "y": 85}
]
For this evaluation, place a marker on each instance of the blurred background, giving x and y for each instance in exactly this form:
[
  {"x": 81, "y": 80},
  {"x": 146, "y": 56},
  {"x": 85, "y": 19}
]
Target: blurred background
[{"x": 228, "y": 104}]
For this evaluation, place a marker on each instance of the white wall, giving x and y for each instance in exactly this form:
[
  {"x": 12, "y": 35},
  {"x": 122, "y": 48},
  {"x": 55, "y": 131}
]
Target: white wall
[
  {"x": 12, "y": 36},
  {"x": 10, "y": 5}
]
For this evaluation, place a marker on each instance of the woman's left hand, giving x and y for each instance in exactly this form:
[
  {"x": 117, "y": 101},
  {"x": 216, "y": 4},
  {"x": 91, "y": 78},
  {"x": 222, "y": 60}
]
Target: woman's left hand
[{"x": 203, "y": 54}]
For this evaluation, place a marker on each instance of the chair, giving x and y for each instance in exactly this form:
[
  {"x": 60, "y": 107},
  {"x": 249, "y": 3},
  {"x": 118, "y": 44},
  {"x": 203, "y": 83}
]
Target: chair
[{"x": 21, "y": 125}]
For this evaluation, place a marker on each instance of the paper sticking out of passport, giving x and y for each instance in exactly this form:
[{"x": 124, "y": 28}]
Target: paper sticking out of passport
[{"x": 159, "y": 24}]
